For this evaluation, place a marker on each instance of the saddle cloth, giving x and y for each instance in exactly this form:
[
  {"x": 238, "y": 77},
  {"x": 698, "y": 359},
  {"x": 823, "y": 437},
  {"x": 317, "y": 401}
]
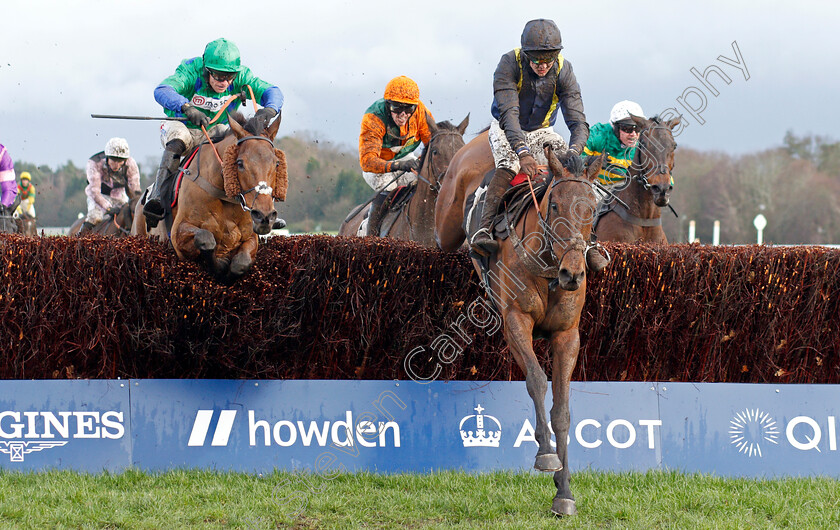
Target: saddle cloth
[{"x": 395, "y": 202}]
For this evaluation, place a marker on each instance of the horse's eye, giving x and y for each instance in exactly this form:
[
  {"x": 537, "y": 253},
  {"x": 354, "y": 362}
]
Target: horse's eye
[
  {"x": 240, "y": 164},
  {"x": 277, "y": 164},
  {"x": 554, "y": 207}
]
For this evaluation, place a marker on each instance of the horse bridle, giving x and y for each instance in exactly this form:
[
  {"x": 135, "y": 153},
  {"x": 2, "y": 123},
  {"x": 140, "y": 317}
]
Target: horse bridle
[
  {"x": 435, "y": 187},
  {"x": 574, "y": 242},
  {"x": 658, "y": 168},
  {"x": 576, "y": 239},
  {"x": 261, "y": 188}
]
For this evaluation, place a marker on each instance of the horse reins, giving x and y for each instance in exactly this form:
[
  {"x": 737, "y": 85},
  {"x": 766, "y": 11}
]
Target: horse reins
[
  {"x": 576, "y": 239},
  {"x": 436, "y": 186},
  {"x": 218, "y": 115}
]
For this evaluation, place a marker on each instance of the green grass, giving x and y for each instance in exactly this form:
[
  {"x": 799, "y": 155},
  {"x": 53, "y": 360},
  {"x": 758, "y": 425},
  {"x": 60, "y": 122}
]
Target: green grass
[{"x": 200, "y": 499}]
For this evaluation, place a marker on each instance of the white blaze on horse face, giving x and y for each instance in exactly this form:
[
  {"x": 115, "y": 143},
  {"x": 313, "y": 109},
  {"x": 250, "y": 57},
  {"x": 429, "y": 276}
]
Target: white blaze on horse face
[{"x": 263, "y": 188}]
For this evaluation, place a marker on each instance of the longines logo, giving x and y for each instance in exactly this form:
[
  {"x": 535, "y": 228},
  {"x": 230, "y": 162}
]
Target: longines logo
[
  {"x": 17, "y": 449},
  {"x": 35, "y": 431},
  {"x": 749, "y": 429}
]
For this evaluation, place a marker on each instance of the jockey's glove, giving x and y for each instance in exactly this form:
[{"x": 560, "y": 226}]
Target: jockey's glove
[
  {"x": 262, "y": 117},
  {"x": 198, "y": 118},
  {"x": 528, "y": 165},
  {"x": 113, "y": 210},
  {"x": 412, "y": 164}
]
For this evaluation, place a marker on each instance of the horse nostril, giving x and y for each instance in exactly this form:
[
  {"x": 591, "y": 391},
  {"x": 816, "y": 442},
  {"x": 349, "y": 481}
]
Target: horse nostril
[{"x": 257, "y": 216}]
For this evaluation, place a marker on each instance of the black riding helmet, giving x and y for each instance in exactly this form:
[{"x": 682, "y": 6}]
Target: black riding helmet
[{"x": 541, "y": 35}]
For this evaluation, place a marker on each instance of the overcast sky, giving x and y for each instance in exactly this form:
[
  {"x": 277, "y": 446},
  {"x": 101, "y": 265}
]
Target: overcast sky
[{"x": 63, "y": 60}]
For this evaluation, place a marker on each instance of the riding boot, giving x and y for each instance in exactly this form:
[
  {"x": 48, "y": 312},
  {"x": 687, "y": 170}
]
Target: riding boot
[
  {"x": 375, "y": 213},
  {"x": 482, "y": 241},
  {"x": 153, "y": 208},
  {"x": 86, "y": 227},
  {"x": 595, "y": 261}
]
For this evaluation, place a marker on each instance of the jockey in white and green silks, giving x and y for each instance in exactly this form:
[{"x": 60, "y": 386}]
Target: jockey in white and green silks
[{"x": 618, "y": 140}]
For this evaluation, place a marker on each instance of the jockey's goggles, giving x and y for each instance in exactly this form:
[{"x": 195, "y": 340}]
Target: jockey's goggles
[
  {"x": 628, "y": 127},
  {"x": 398, "y": 108},
  {"x": 222, "y": 76},
  {"x": 541, "y": 58}
]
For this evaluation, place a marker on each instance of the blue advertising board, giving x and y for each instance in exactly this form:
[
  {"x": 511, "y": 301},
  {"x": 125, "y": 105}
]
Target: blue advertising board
[
  {"x": 401, "y": 426},
  {"x": 383, "y": 426},
  {"x": 78, "y": 425}
]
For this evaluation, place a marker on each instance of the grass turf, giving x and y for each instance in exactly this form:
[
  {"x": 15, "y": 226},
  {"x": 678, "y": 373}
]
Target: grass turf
[{"x": 184, "y": 499}]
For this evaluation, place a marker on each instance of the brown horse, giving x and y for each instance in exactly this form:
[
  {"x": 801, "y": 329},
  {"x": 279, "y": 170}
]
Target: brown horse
[
  {"x": 546, "y": 249},
  {"x": 636, "y": 215},
  {"x": 26, "y": 225},
  {"x": 116, "y": 226},
  {"x": 416, "y": 220},
  {"x": 223, "y": 208}
]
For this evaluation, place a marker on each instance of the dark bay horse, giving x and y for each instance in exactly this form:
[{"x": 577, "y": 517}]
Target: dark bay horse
[
  {"x": 646, "y": 192},
  {"x": 223, "y": 208},
  {"x": 416, "y": 220},
  {"x": 546, "y": 250},
  {"x": 116, "y": 226}
]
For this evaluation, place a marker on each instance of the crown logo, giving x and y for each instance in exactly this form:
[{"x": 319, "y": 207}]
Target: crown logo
[{"x": 480, "y": 437}]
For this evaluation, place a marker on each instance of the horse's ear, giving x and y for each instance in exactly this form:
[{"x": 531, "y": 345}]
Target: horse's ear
[
  {"x": 594, "y": 165},
  {"x": 554, "y": 164},
  {"x": 431, "y": 123},
  {"x": 673, "y": 123},
  {"x": 462, "y": 127},
  {"x": 641, "y": 122},
  {"x": 237, "y": 129},
  {"x": 273, "y": 128}
]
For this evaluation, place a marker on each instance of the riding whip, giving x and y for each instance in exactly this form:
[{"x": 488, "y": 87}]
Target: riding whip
[{"x": 117, "y": 117}]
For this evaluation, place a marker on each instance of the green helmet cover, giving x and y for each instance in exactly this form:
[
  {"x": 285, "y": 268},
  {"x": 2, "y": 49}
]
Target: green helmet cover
[{"x": 222, "y": 55}]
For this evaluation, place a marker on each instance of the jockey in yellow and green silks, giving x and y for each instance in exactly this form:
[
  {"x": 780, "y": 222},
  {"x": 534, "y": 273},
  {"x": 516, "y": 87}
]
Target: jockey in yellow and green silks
[{"x": 26, "y": 192}]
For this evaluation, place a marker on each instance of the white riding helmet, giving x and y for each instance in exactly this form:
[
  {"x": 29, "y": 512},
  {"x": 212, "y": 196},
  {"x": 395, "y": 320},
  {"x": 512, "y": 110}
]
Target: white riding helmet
[
  {"x": 623, "y": 109},
  {"x": 117, "y": 148}
]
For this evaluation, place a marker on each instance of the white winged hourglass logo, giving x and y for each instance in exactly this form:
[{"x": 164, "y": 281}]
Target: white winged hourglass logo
[
  {"x": 749, "y": 428},
  {"x": 16, "y": 449}
]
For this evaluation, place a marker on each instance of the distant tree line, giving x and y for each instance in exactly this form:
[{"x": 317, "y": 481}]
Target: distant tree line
[{"x": 795, "y": 186}]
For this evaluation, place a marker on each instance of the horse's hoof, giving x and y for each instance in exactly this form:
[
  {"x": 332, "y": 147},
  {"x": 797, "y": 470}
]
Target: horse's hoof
[
  {"x": 562, "y": 507},
  {"x": 239, "y": 265},
  {"x": 548, "y": 462},
  {"x": 204, "y": 241}
]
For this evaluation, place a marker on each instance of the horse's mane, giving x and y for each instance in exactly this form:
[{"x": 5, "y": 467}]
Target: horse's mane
[{"x": 247, "y": 123}]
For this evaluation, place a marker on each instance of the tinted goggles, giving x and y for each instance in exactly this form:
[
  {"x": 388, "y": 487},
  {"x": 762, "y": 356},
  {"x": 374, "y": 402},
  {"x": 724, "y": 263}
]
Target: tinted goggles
[
  {"x": 222, "y": 76},
  {"x": 541, "y": 58},
  {"x": 398, "y": 108},
  {"x": 628, "y": 128}
]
